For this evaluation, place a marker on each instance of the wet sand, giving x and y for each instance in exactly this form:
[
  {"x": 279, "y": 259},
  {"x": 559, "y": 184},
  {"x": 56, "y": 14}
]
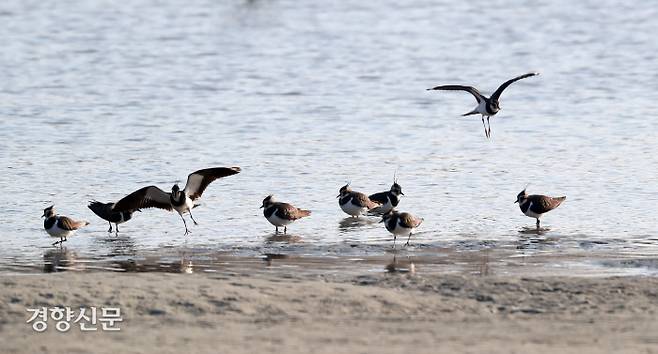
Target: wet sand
[{"x": 295, "y": 311}]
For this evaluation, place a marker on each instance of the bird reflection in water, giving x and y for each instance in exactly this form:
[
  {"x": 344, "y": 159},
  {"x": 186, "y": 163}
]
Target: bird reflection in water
[
  {"x": 59, "y": 259},
  {"x": 406, "y": 266}
]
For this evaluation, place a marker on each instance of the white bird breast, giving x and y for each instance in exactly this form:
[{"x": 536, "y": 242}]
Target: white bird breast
[
  {"x": 352, "y": 209},
  {"x": 55, "y": 231},
  {"x": 277, "y": 221}
]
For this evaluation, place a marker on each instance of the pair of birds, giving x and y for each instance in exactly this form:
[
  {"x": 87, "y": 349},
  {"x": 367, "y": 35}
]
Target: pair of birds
[
  {"x": 181, "y": 201},
  {"x": 397, "y": 223}
]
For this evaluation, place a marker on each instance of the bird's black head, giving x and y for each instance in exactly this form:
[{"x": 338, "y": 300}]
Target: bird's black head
[
  {"x": 49, "y": 211},
  {"x": 521, "y": 196},
  {"x": 175, "y": 189},
  {"x": 396, "y": 189},
  {"x": 267, "y": 201},
  {"x": 344, "y": 190}
]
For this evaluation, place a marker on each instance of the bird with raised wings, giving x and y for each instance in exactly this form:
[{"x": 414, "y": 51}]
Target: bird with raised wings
[
  {"x": 182, "y": 201},
  {"x": 487, "y": 106}
]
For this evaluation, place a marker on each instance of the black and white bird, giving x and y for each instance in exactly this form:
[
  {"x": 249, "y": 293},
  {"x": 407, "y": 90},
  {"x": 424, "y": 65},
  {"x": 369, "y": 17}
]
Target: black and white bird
[
  {"x": 60, "y": 226},
  {"x": 182, "y": 201},
  {"x": 401, "y": 224},
  {"x": 281, "y": 214},
  {"x": 535, "y": 206},
  {"x": 387, "y": 200},
  {"x": 354, "y": 203},
  {"x": 487, "y": 106},
  {"x": 105, "y": 212}
]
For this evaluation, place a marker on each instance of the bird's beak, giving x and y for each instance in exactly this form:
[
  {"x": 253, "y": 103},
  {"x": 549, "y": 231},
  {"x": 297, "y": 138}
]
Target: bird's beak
[
  {"x": 381, "y": 221},
  {"x": 516, "y": 202},
  {"x": 261, "y": 207},
  {"x": 44, "y": 215},
  {"x": 139, "y": 210},
  {"x": 401, "y": 193},
  {"x": 338, "y": 196}
]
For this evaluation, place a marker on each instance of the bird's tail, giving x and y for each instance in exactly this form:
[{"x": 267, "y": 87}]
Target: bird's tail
[
  {"x": 80, "y": 224},
  {"x": 560, "y": 199},
  {"x": 373, "y": 205},
  {"x": 304, "y": 213},
  {"x": 101, "y": 209}
]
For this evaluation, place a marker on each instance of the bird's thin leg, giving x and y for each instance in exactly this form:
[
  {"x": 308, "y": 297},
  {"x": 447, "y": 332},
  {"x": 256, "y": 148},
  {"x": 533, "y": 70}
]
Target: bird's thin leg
[
  {"x": 276, "y": 230},
  {"x": 489, "y": 124},
  {"x": 485, "y": 128},
  {"x": 184, "y": 223},
  {"x": 110, "y": 230},
  {"x": 192, "y": 217},
  {"x": 537, "y": 223},
  {"x": 116, "y": 229},
  {"x": 285, "y": 229},
  {"x": 394, "y": 238},
  {"x": 408, "y": 239}
]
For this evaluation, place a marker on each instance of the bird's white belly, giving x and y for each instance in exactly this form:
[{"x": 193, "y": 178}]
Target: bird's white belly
[
  {"x": 402, "y": 231},
  {"x": 352, "y": 209},
  {"x": 482, "y": 108},
  {"x": 277, "y": 221},
  {"x": 186, "y": 207},
  {"x": 55, "y": 231}
]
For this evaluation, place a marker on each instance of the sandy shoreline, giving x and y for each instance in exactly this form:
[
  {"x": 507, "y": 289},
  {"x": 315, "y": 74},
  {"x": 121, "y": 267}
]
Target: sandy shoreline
[{"x": 301, "y": 313}]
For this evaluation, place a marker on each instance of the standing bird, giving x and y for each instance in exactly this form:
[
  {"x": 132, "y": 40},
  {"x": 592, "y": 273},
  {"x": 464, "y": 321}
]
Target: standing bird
[
  {"x": 401, "y": 224},
  {"x": 182, "y": 201},
  {"x": 60, "y": 226},
  {"x": 487, "y": 106},
  {"x": 281, "y": 214},
  {"x": 105, "y": 212},
  {"x": 354, "y": 203},
  {"x": 389, "y": 199},
  {"x": 535, "y": 206}
]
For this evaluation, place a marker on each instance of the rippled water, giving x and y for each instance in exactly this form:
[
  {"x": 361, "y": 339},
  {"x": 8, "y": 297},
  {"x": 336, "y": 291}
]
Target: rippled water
[{"x": 100, "y": 98}]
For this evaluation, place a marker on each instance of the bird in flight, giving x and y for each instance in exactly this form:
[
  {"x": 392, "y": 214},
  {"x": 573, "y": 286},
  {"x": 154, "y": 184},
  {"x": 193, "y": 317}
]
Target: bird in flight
[
  {"x": 487, "y": 106},
  {"x": 182, "y": 201}
]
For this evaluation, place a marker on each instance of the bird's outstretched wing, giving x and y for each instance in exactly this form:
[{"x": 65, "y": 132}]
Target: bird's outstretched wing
[
  {"x": 147, "y": 197},
  {"x": 470, "y": 89},
  {"x": 496, "y": 95},
  {"x": 199, "y": 180}
]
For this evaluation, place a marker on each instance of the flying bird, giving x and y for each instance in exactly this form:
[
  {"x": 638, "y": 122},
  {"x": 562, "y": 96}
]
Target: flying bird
[
  {"x": 281, "y": 214},
  {"x": 105, "y": 212},
  {"x": 535, "y": 206},
  {"x": 182, "y": 201},
  {"x": 487, "y": 106},
  {"x": 60, "y": 226}
]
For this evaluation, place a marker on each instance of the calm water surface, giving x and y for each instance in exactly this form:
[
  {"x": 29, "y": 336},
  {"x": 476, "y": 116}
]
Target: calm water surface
[{"x": 100, "y": 98}]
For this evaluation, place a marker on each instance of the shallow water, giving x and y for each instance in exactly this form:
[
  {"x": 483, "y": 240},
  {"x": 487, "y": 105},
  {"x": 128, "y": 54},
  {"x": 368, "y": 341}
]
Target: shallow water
[{"x": 99, "y": 99}]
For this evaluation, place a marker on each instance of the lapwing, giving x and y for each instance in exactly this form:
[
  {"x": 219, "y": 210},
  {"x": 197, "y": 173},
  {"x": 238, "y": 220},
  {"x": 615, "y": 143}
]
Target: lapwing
[
  {"x": 387, "y": 200},
  {"x": 487, "y": 106},
  {"x": 354, "y": 203},
  {"x": 281, "y": 214},
  {"x": 60, "y": 226},
  {"x": 401, "y": 224},
  {"x": 182, "y": 201},
  {"x": 105, "y": 212},
  {"x": 535, "y": 206}
]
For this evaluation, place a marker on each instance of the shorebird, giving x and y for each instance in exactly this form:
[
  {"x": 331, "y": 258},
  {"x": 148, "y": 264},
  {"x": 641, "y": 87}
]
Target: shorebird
[
  {"x": 281, "y": 214},
  {"x": 105, "y": 212},
  {"x": 389, "y": 199},
  {"x": 400, "y": 224},
  {"x": 182, "y": 201},
  {"x": 60, "y": 226},
  {"x": 535, "y": 206},
  {"x": 487, "y": 106},
  {"x": 354, "y": 203}
]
